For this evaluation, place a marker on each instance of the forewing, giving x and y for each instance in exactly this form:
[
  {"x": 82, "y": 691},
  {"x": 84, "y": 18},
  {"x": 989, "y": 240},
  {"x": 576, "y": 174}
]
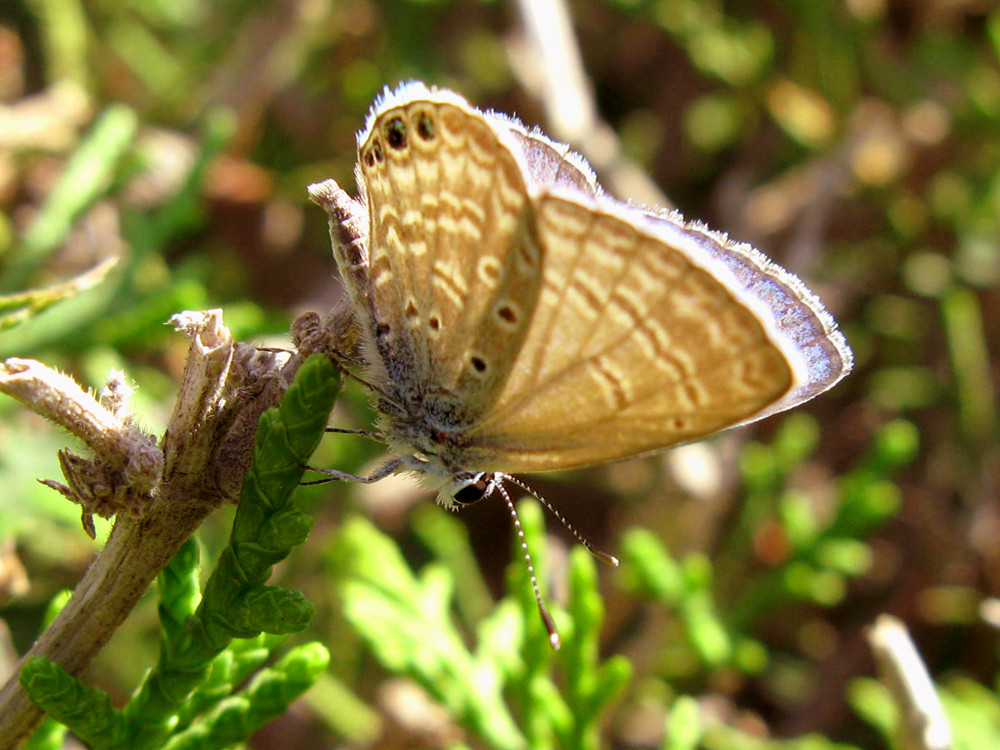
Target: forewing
[{"x": 454, "y": 262}]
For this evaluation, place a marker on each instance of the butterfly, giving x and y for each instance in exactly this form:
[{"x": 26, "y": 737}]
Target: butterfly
[{"x": 515, "y": 318}]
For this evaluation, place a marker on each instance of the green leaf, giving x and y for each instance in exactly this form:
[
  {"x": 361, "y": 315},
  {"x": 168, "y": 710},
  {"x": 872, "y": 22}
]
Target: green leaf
[
  {"x": 267, "y": 526},
  {"x": 86, "y": 711}
]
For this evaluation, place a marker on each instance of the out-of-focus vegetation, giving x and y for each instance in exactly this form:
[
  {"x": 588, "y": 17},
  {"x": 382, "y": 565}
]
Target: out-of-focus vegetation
[{"x": 854, "y": 142}]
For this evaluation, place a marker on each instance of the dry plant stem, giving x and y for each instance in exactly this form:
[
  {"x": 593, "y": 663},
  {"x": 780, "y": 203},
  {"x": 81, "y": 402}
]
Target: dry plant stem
[
  {"x": 552, "y": 69},
  {"x": 226, "y": 386},
  {"x": 126, "y": 462},
  {"x": 922, "y": 723},
  {"x": 48, "y": 121},
  {"x": 59, "y": 398}
]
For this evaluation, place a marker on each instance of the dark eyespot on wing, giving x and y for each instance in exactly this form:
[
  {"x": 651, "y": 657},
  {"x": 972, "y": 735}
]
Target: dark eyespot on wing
[
  {"x": 395, "y": 133},
  {"x": 507, "y": 313},
  {"x": 425, "y": 127}
]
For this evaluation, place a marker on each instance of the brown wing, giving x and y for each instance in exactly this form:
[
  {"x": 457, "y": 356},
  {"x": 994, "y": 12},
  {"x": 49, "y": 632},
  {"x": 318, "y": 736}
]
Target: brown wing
[
  {"x": 634, "y": 346},
  {"x": 454, "y": 264}
]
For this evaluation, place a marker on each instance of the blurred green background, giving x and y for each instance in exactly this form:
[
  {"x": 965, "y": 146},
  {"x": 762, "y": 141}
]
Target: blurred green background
[{"x": 856, "y": 142}]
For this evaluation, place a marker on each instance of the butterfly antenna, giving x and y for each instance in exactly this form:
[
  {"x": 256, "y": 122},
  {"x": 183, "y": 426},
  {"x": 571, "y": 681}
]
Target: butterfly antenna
[
  {"x": 604, "y": 557},
  {"x": 550, "y": 624}
]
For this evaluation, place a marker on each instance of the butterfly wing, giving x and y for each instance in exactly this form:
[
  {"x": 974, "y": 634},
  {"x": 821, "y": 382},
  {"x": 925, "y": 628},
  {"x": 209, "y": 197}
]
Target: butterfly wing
[
  {"x": 454, "y": 259},
  {"x": 526, "y": 322},
  {"x": 649, "y": 332}
]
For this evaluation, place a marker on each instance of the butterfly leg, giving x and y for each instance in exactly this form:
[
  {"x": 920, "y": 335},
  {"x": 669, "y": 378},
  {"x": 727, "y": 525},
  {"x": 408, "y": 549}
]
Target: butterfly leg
[
  {"x": 333, "y": 475},
  {"x": 363, "y": 433}
]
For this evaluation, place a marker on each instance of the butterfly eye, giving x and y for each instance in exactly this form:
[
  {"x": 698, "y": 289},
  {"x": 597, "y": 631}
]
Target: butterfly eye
[{"x": 474, "y": 490}]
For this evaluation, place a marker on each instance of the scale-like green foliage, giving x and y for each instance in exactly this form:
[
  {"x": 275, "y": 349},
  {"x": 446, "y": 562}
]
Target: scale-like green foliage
[
  {"x": 505, "y": 691},
  {"x": 187, "y": 699}
]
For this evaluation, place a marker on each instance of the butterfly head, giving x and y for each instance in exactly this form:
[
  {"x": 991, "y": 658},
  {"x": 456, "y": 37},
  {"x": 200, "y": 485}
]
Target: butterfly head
[{"x": 467, "y": 488}]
